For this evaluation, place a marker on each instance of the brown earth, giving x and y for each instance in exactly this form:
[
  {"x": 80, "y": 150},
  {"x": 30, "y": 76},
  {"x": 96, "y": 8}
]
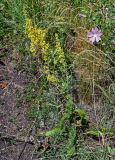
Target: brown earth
[{"x": 15, "y": 129}]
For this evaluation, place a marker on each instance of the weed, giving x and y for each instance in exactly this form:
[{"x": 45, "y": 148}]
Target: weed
[{"x": 50, "y": 39}]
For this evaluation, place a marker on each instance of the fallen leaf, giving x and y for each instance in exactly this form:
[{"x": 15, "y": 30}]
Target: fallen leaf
[{"x": 3, "y": 85}]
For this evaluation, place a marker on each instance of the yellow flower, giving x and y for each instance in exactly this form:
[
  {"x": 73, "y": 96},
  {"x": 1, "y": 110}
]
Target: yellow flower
[
  {"x": 46, "y": 69},
  {"x": 55, "y": 61},
  {"x": 37, "y": 38},
  {"x": 59, "y": 50},
  {"x": 51, "y": 78}
]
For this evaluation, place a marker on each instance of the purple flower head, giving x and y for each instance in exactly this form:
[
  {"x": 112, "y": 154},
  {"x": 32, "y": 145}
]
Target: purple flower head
[{"x": 94, "y": 35}]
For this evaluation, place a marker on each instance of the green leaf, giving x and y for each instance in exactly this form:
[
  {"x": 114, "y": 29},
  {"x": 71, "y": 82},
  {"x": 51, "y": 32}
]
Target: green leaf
[
  {"x": 93, "y": 132},
  {"x": 69, "y": 107},
  {"x": 71, "y": 147},
  {"x": 102, "y": 131},
  {"x": 71, "y": 151},
  {"x": 81, "y": 113},
  {"x": 53, "y": 133}
]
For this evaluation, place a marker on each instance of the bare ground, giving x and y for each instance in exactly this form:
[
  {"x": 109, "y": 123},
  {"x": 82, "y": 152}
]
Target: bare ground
[{"x": 14, "y": 126}]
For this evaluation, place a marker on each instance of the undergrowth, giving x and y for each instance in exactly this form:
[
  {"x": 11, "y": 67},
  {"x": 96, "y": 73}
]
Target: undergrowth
[{"x": 68, "y": 73}]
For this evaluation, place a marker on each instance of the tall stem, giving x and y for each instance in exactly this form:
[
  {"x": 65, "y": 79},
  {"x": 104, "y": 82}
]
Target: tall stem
[{"x": 93, "y": 91}]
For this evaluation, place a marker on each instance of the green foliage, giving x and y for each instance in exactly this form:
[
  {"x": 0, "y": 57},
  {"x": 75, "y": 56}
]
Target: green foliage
[
  {"x": 54, "y": 132},
  {"x": 98, "y": 154},
  {"x": 101, "y": 132},
  {"x": 69, "y": 107},
  {"x": 71, "y": 146},
  {"x": 111, "y": 150},
  {"x": 52, "y": 105},
  {"x": 12, "y": 16},
  {"x": 32, "y": 113},
  {"x": 81, "y": 113}
]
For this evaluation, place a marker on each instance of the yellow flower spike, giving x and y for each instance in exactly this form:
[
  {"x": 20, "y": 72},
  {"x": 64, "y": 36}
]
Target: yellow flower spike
[
  {"x": 37, "y": 37},
  {"x": 51, "y": 78},
  {"x": 28, "y": 25},
  {"x": 59, "y": 50},
  {"x": 46, "y": 69},
  {"x": 55, "y": 61},
  {"x": 62, "y": 61}
]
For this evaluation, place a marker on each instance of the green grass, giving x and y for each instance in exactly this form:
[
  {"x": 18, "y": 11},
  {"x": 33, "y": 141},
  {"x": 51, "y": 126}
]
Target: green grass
[{"x": 55, "y": 107}]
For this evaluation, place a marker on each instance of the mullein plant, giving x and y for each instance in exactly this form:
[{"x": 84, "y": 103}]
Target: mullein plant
[
  {"x": 61, "y": 57},
  {"x": 37, "y": 38},
  {"x": 56, "y": 71}
]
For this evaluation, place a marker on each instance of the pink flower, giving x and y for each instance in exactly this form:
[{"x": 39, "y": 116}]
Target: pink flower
[{"x": 94, "y": 35}]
